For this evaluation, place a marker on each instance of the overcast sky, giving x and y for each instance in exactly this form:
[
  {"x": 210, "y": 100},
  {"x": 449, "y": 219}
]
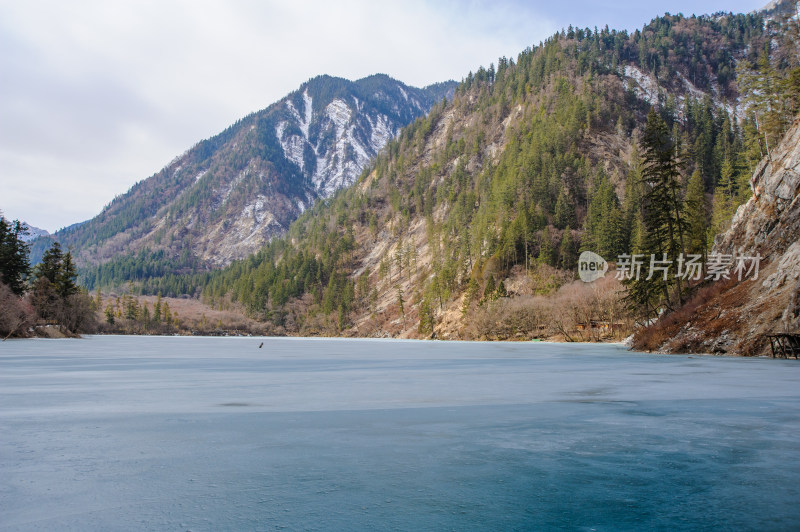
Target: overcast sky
[{"x": 97, "y": 95}]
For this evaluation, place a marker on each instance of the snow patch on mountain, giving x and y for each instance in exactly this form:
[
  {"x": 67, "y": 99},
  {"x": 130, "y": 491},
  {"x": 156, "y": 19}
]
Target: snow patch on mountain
[
  {"x": 242, "y": 234},
  {"x": 645, "y": 87},
  {"x": 339, "y": 113},
  {"x": 690, "y": 88},
  {"x": 306, "y": 123},
  {"x": 33, "y": 233},
  {"x": 334, "y": 168},
  {"x": 734, "y": 111},
  {"x": 256, "y": 210},
  {"x": 362, "y": 157},
  {"x": 344, "y": 136},
  {"x": 381, "y": 132},
  {"x": 356, "y": 143},
  {"x": 304, "y": 120},
  {"x": 292, "y": 145}
]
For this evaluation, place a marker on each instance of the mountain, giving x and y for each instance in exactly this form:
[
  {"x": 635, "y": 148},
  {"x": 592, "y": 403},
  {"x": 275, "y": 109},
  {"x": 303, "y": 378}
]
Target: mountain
[
  {"x": 34, "y": 233},
  {"x": 228, "y": 195},
  {"x": 469, "y": 223}
]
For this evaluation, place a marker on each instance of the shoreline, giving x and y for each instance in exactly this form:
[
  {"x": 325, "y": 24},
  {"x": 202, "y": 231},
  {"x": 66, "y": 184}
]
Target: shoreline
[{"x": 620, "y": 343}]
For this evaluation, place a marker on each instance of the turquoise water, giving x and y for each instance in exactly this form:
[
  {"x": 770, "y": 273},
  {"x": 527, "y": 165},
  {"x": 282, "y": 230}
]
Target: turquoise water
[{"x": 137, "y": 433}]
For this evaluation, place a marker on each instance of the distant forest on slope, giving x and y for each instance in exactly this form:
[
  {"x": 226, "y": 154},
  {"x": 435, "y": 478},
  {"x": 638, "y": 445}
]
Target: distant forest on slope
[
  {"x": 548, "y": 182},
  {"x": 533, "y": 161}
]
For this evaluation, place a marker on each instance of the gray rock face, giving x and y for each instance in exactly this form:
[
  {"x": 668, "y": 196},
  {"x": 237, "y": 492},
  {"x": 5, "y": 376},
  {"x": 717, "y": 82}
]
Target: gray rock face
[
  {"x": 770, "y": 221},
  {"x": 736, "y": 319},
  {"x": 769, "y": 224}
]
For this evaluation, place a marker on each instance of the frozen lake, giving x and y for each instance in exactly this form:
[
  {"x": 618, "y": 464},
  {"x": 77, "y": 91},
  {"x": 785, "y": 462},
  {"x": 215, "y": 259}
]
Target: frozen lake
[{"x": 147, "y": 433}]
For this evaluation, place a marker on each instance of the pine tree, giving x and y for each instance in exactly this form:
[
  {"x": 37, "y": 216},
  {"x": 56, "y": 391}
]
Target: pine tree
[
  {"x": 772, "y": 92},
  {"x": 664, "y": 221},
  {"x": 501, "y": 289},
  {"x": 564, "y": 212},
  {"x": 697, "y": 224},
  {"x": 425, "y": 327},
  {"x": 14, "y": 264},
  {"x": 469, "y": 295},
  {"x": 605, "y": 224},
  {"x": 567, "y": 259},
  {"x": 157, "y": 309},
  {"x": 47, "y": 296},
  {"x": 727, "y": 182},
  {"x": 401, "y": 304},
  {"x": 132, "y": 310},
  {"x": 490, "y": 289},
  {"x": 56, "y": 295},
  {"x": 546, "y": 250},
  {"x": 145, "y": 315},
  {"x": 50, "y": 266},
  {"x": 109, "y": 312},
  {"x": 721, "y": 213},
  {"x": 632, "y": 207},
  {"x": 66, "y": 277}
]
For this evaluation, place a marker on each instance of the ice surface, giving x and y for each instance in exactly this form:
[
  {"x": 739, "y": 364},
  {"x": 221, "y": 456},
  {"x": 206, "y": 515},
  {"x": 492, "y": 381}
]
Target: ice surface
[{"x": 147, "y": 433}]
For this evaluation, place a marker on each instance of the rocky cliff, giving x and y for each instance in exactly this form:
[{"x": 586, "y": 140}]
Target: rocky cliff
[{"x": 731, "y": 317}]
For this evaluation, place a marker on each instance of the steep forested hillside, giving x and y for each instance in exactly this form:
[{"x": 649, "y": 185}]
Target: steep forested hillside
[
  {"x": 228, "y": 195},
  {"x": 734, "y": 315},
  {"x": 470, "y": 222}
]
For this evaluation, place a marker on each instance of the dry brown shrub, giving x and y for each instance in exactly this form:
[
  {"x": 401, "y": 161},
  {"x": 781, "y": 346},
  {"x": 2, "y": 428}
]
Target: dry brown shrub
[
  {"x": 16, "y": 314},
  {"x": 569, "y": 313},
  {"x": 506, "y": 318},
  {"x": 655, "y": 335}
]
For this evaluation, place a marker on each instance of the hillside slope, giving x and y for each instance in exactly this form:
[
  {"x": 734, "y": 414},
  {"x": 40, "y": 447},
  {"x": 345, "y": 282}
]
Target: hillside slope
[
  {"x": 480, "y": 208},
  {"x": 227, "y": 196},
  {"x": 733, "y": 316}
]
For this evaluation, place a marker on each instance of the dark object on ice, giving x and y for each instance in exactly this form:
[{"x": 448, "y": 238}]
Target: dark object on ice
[
  {"x": 784, "y": 344},
  {"x": 261, "y": 345}
]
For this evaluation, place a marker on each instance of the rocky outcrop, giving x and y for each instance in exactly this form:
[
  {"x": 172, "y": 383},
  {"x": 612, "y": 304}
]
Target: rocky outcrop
[
  {"x": 770, "y": 221},
  {"x": 769, "y": 224},
  {"x": 734, "y": 316}
]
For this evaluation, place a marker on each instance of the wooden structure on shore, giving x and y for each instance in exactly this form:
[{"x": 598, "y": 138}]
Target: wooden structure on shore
[{"x": 784, "y": 345}]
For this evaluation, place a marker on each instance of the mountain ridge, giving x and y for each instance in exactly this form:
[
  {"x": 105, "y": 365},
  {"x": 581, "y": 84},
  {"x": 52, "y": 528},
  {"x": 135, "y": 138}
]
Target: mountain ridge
[
  {"x": 469, "y": 224},
  {"x": 227, "y": 195}
]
